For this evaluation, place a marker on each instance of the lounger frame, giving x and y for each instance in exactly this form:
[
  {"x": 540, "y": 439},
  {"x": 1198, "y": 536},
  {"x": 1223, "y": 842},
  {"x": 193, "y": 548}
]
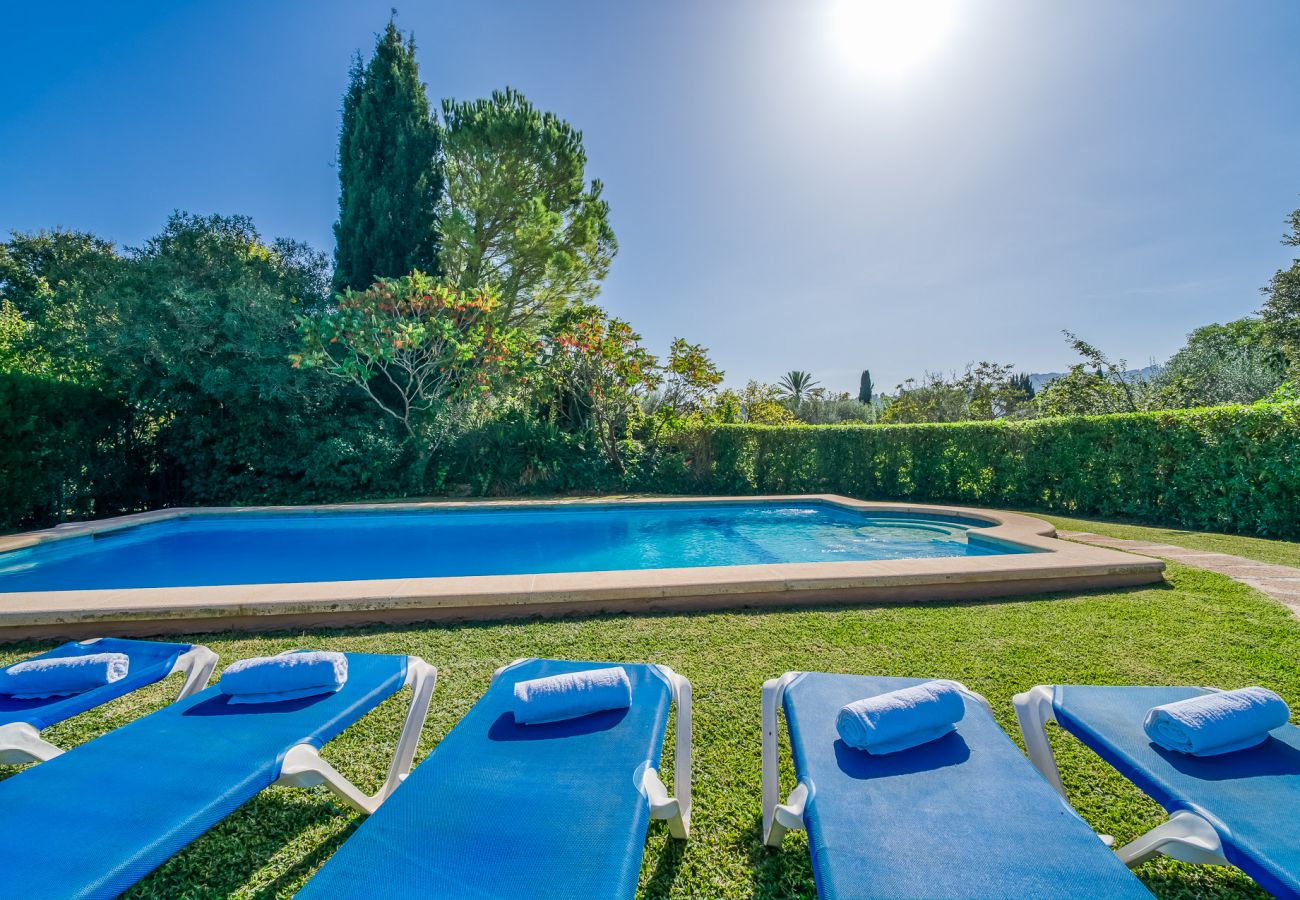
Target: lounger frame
[
  {"x": 1184, "y": 836},
  {"x": 303, "y": 766},
  {"x": 22, "y": 743},
  {"x": 780, "y": 818},
  {"x": 675, "y": 808}
]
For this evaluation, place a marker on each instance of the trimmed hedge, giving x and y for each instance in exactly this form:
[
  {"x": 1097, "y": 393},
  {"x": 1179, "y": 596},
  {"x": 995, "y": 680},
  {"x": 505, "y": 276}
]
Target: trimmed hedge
[
  {"x": 70, "y": 452},
  {"x": 66, "y": 452},
  {"x": 1228, "y": 468}
]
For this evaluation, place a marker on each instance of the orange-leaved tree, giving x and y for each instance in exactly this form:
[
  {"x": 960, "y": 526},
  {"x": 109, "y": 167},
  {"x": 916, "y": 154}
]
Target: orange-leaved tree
[
  {"x": 599, "y": 363},
  {"x": 428, "y": 354}
]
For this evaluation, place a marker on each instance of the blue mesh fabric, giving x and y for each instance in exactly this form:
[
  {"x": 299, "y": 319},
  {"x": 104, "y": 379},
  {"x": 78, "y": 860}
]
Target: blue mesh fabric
[
  {"x": 150, "y": 661},
  {"x": 508, "y": 811},
  {"x": 1252, "y": 796},
  {"x": 965, "y": 816},
  {"x": 97, "y": 819}
]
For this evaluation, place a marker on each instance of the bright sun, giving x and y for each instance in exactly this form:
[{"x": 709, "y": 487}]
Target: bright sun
[{"x": 889, "y": 38}]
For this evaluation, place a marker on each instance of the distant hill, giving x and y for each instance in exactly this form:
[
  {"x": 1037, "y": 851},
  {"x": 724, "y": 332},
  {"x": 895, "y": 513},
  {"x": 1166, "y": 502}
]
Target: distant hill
[{"x": 1040, "y": 379}]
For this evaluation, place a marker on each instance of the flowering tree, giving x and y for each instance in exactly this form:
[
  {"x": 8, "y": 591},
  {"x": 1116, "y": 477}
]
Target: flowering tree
[
  {"x": 600, "y": 362},
  {"x": 425, "y": 353},
  {"x": 690, "y": 378}
]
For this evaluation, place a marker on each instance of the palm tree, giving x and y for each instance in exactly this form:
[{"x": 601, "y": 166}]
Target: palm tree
[{"x": 797, "y": 385}]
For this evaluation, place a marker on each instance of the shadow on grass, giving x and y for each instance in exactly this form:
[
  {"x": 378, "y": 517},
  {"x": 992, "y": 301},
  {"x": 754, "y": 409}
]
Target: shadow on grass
[
  {"x": 227, "y": 856},
  {"x": 667, "y": 865},
  {"x": 305, "y": 866},
  {"x": 1170, "y": 880},
  {"x": 779, "y": 873}
]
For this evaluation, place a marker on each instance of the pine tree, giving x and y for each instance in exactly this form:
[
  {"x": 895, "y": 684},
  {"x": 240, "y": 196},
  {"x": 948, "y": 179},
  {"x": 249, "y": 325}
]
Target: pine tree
[
  {"x": 866, "y": 390},
  {"x": 1282, "y": 308},
  {"x": 390, "y": 171}
]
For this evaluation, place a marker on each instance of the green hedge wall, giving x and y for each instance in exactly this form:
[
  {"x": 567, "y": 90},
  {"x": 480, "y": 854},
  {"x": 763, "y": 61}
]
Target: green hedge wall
[
  {"x": 66, "y": 452},
  {"x": 1230, "y": 468}
]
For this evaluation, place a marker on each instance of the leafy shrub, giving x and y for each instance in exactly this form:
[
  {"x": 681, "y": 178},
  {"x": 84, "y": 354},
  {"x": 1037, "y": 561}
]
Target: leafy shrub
[
  {"x": 598, "y": 363},
  {"x": 834, "y": 412},
  {"x": 67, "y": 451},
  {"x": 1229, "y": 468},
  {"x": 521, "y": 454}
]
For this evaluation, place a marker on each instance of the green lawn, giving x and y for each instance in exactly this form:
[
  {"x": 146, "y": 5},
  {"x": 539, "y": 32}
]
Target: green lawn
[
  {"x": 1198, "y": 628},
  {"x": 1286, "y": 553}
]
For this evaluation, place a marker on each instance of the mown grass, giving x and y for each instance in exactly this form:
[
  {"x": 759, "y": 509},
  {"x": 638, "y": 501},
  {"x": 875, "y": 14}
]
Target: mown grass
[
  {"x": 1197, "y": 628},
  {"x": 1285, "y": 553}
]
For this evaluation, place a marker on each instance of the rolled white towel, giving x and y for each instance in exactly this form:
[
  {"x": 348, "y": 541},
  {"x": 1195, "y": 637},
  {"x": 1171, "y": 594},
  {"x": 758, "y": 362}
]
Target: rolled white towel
[
  {"x": 1213, "y": 724},
  {"x": 62, "y": 676},
  {"x": 902, "y": 719},
  {"x": 289, "y": 676},
  {"x": 568, "y": 696}
]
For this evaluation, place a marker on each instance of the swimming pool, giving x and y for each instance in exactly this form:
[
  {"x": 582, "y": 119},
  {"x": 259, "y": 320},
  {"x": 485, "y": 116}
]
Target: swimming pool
[
  {"x": 280, "y": 548},
  {"x": 186, "y": 571}
]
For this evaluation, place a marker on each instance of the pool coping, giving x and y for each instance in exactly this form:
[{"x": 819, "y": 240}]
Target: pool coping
[{"x": 1064, "y": 566}]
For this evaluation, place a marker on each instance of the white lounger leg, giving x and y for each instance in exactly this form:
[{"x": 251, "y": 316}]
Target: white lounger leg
[
  {"x": 21, "y": 743},
  {"x": 677, "y": 808},
  {"x": 196, "y": 664},
  {"x": 1033, "y": 712},
  {"x": 303, "y": 766},
  {"x": 778, "y": 818},
  {"x": 1185, "y": 836}
]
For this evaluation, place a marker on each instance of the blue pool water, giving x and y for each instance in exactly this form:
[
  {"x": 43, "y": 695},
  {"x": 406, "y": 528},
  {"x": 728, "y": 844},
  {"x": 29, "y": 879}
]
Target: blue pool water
[{"x": 352, "y": 546}]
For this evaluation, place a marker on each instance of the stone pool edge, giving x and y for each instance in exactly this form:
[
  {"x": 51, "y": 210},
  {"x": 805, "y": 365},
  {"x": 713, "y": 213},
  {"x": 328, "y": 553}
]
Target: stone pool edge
[{"x": 1065, "y": 566}]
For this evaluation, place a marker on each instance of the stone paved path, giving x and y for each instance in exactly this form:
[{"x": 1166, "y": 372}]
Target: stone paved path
[{"x": 1282, "y": 583}]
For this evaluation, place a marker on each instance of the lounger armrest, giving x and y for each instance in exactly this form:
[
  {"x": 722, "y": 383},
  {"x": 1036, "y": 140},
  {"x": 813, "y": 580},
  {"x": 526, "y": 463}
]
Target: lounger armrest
[
  {"x": 304, "y": 767},
  {"x": 662, "y": 805},
  {"x": 1184, "y": 836},
  {"x": 21, "y": 743},
  {"x": 791, "y": 813},
  {"x": 197, "y": 664},
  {"x": 1034, "y": 710},
  {"x": 677, "y": 809},
  {"x": 422, "y": 678}
]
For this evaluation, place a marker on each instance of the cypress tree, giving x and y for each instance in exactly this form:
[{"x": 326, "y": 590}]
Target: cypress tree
[
  {"x": 1024, "y": 385},
  {"x": 390, "y": 172},
  {"x": 866, "y": 390}
]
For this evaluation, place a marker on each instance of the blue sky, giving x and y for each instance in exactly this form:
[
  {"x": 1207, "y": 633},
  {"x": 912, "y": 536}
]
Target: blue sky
[{"x": 788, "y": 186}]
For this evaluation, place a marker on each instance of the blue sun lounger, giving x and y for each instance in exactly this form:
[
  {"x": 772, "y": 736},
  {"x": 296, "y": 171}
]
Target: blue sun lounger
[
  {"x": 507, "y": 811},
  {"x": 1237, "y": 809},
  {"x": 964, "y": 816},
  {"x": 95, "y": 820},
  {"x": 22, "y": 721}
]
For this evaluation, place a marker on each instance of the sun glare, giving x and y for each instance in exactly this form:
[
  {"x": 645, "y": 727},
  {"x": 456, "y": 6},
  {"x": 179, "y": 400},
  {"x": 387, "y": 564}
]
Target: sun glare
[{"x": 886, "y": 39}]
